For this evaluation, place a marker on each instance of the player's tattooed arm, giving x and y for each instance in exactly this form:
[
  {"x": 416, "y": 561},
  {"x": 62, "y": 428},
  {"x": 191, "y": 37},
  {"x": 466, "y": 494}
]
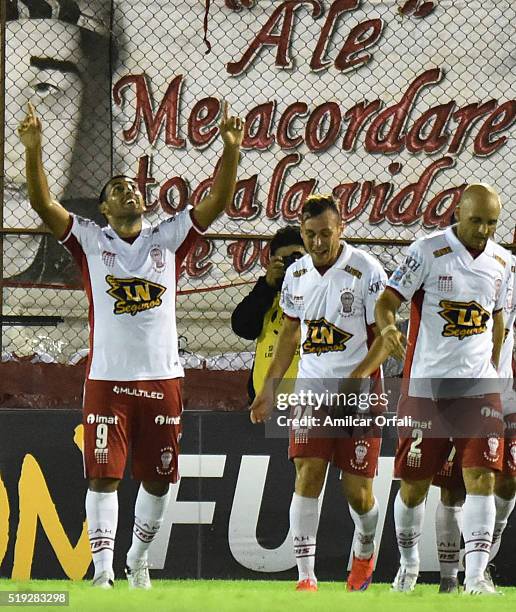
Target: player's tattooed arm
[
  {"x": 51, "y": 212},
  {"x": 223, "y": 188},
  {"x": 385, "y": 311},
  {"x": 288, "y": 341},
  {"x": 498, "y": 336}
]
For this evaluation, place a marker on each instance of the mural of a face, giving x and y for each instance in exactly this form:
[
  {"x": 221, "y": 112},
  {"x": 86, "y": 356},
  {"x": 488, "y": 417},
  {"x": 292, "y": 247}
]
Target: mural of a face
[
  {"x": 58, "y": 59},
  {"x": 45, "y": 72}
]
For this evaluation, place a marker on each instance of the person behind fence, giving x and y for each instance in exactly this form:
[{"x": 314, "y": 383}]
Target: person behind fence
[
  {"x": 132, "y": 392},
  {"x": 328, "y": 298},
  {"x": 259, "y": 315},
  {"x": 459, "y": 282}
]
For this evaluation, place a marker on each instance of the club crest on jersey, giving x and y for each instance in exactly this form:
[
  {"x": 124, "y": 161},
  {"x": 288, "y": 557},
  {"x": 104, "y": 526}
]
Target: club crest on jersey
[
  {"x": 464, "y": 319},
  {"x": 134, "y": 295},
  {"x": 324, "y": 337},
  {"x": 346, "y": 301},
  {"x": 156, "y": 255}
]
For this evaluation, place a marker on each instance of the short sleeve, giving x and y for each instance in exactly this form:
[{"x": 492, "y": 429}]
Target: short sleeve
[
  {"x": 174, "y": 230},
  {"x": 84, "y": 233},
  {"x": 410, "y": 275},
  {"x": 375, "y": 285},
  {"x": 505, "y": 297},
  {"x": 287, "y": 302}
]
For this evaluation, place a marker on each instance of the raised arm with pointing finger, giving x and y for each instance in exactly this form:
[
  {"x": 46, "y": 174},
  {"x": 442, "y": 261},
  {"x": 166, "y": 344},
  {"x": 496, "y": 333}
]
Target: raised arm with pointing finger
[
  {"x": 57, "y": 218},
  {"x": 51, "y": 212}
]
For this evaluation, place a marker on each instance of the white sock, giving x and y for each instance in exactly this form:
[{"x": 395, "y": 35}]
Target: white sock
[
  {"x": 478, "y": 525},
  {"x": 448, "y": 527},
  {"x": 409, "y": 524},
  {"x": 365, "y": 528},
  {"x": 148, "y": 516},
  {"x": 304, "y": 519},
  {"x": 504, "y": 507},
  {"x": 102, "y": 517}
]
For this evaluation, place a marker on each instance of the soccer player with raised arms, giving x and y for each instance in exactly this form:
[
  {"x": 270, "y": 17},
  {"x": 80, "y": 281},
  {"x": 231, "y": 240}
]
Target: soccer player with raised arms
[
  {"x": 132, "y": 394},
  {"x": 328, "y": 299},
  {"x": 458, "y": 281}
]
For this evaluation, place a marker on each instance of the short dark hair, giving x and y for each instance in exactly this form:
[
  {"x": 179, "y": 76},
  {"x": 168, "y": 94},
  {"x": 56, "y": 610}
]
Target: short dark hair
[
  {"x": 318, "y": 203},
  {"x": 103, "y": 193},
  {"x": 286, "y": 236}
]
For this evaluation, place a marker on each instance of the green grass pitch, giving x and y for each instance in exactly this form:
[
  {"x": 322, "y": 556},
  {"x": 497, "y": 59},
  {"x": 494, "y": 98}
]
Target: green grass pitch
[{"x": 258, "y": 596}]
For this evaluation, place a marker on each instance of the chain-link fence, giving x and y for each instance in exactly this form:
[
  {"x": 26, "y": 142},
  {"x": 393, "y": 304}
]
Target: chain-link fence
[{"x": 391, "y": 105}]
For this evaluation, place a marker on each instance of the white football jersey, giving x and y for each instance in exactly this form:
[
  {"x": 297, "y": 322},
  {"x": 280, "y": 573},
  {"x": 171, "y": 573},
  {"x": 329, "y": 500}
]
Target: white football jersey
[
  {"x": 334, "y": 310},
  {"x": 131, "y": 291},
  {"x": 453, "y": 298}
]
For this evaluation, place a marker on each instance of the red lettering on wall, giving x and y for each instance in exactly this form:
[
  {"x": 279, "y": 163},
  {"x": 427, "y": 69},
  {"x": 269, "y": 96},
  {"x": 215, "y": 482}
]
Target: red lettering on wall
[
  {"x": 168, "y": 111},
  {"x": 435, "y": 214},
  {"x": 200, "y": 131},
  {"x": 429, "y": 133},
  {"x": 278, "y": 179},
  {"x": 165, "y": 195},
  {"x": 362, "y": 36},
  {"x": 466, "y": 116},
  {"x": 284, "y": 136},
  {"x": 328, "y": 113},
  {"x": 500, "y": 119},
  {"x": 196, "y": 262},
  {"x": 258, "y": 125},
  {"x": 384, "y": 138},
  {"x": 357, "y": 117},
  {"x": 243, "y": 206},
  {"x": 337, "y": 7},
  {"x": 405, "y": 207},
  {"x": 144, "y": 180},
  {"x": 242, "y": 259},
  {"x": 284, "y": 16},
  {"x": 295, "y": 198}
]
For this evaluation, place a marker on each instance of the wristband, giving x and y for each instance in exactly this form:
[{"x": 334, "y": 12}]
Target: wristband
[{"x": 388, "y": 328}]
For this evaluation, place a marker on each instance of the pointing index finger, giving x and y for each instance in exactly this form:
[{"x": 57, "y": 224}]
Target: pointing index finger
[
  {"x": 225, "y": 110},
  {"x": 31, "y": 110}
]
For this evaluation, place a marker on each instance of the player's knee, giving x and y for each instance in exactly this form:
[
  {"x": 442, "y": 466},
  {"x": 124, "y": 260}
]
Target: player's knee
[
  {"x": 479, "y": 481},
  {"x": 505, "y": 486},
  {"x": 452, "y": 497},
  {"x": 413, "y": 493},
  {"x": 156, "y": 488},
  {"x": 103, "y": 485},
  {"x": 309, "y": 478},
  {"x": 361, "y": 499}
]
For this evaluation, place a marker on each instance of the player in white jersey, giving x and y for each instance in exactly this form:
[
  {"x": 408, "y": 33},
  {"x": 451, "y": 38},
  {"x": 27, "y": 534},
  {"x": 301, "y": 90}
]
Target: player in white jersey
[
  {"x": 459, "y": 282},
  {"x": 328, "y": 298},
  {"x": 449, "y": 509},
  {"x": 132, "y": 395}
]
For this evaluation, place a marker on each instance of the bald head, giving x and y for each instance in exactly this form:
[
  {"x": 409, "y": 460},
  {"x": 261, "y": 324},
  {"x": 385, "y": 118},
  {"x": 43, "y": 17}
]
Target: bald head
[{"x": 477, "y": 214}]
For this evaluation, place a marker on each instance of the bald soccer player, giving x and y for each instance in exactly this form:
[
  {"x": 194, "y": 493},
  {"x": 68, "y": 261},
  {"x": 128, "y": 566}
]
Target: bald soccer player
[{"x": 458, "y": 281}]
